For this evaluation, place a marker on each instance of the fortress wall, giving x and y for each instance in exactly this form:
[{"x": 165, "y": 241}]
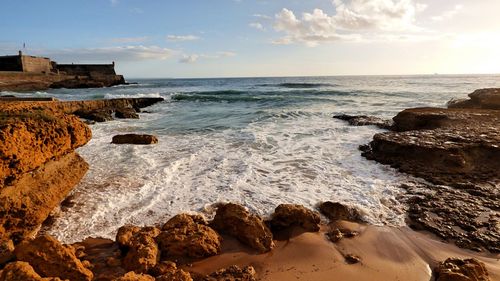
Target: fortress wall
[
  {"x": 92, "y": 70},
  {"x": 36, "y": 64},
  {"x": 10, "y": 63}
]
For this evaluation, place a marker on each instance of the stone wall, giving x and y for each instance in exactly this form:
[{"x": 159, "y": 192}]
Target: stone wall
[
  {"x": 36, "y": 64},
  {"x": 10, "y": 63},
  {"x": 91, "y": 70}
]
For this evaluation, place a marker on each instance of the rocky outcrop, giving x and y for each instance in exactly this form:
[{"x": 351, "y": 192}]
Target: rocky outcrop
[
  {"x": 250, "y": 229},
  {"x": 233, "y": 273},
  {"x": 126, "y": 113},
  {"x": 50, "y": 258},
  {"x": 483, "y": 98},
  {"x": 22, "y": 271},
  {"x": 132, "y": 276},
  {"x": 134, "y": 139},
  {"x": 461, "y": 270},
  {"x": 185, "y": 236},
  {"x": 365, "y": 120},
  {"x": 288, "y": 215},
  {"x": 168, "y": 271},
  {"x": 143, "y": 253},
  {"x": 6, "y": 251},
  {"x": 457, "y": 150}
]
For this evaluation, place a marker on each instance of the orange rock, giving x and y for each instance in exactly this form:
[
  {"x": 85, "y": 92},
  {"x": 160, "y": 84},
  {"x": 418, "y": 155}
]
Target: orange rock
[
  {"x": 22, "y": 271},
  {"x": 132, "y": 276},
  {"x": 143, "y": 254},
  {"x": 250, "y": 229},
  {"x": 286, "y": 215},
  {"x": 233, "y": 273},
  {"x": 184, "y": 236},
  {"x": 50, "y": 258},
  {"x": 6, "y": 251},
  {"x": 168, "y": 271},
  {"x": 461, "y": 270},
  {"x": 134, "y": 139}
]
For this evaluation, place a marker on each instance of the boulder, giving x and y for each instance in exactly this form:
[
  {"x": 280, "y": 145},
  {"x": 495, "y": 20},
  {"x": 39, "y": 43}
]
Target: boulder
[
  {"x": 352, "y": 259},
  {"x": 364, "y": 120},
  {"x": 22, "y": 271},
  {"x": 287, "y": 215},
  {"x": 126, "y": 113},
  {"x": 482, "y": 98},
  {"x": 336, "y": 211},
  {"x": 99, "y": 115},
  {"x": 168, "y": 271},
  {"x": 184, "y": 236},
  {"x": 461, "y": 270},
  {"x": 235, "y": 220},
  {"x": 233, "y": 273},
  {"x": 134, "y": 139},
  {"x": 50, "y": 258},
  {"x": 139, "y": 246},
  {"x": 6, "y": 251},
  {"x": 132, "y": 276}
]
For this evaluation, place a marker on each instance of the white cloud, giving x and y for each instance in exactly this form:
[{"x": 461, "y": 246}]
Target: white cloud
[
  {"x": 182, "y": 38},
  {"x": 192, "y": 58},
  {"x": 353, "y": 20},
  {"x": 257, "y": 25},
  {"x": 125, "y": 40},
  {"x": 266, "y": 17},
  {"x": 127, "y": 53},
  {"x": 448, "y": 14}
]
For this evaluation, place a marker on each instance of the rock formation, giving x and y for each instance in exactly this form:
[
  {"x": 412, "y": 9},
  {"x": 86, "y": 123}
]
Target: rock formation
[
  {"x": 22, "y": 271},
  {"x": 461, "y": 270},
  {"x": 335, "y": 211},
  {"x": 134, "y": 139},
  {"x": 482, "y": 98},
  {"x": 364, "y": 120},
  {"x": 235, "y": 220},
  {"x": 287, "y": 215}
]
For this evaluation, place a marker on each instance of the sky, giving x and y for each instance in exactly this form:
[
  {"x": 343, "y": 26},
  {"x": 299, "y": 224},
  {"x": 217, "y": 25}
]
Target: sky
[{"x": 257, "y": 38}]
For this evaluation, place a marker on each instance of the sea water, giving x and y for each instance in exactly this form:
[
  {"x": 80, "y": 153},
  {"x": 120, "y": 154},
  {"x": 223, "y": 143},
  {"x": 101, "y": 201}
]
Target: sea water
[{"x": 259, "y": 142}]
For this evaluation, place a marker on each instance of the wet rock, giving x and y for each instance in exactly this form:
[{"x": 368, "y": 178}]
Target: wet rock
[
  {"x": 6, "y": 251},
  {"x": 336, "y": 211},
  {"x": 100, "y": 115},
  {"x": 184, "y": 236},
  {"x": 132, "y": 276},
  {"x": 364, "y": 120},
  {"x": 50, "y": 258},
  {"x": 22, "y": 271},
  {"x": 287, "y": 215},
  {"x": 143, "y": 253},
  {"x": 337, "y": 234},
  {"x": 125, "y": 234},
  {"x": 126, "y": 113},
  {"x": 352, "y": 259},
  {"x": 235, "y": 220},
  {"x": 233, "y": 273},
  {"x": 461, "y": 270},
  {"x": 168, "y": 271},
  {"x": 482, "y": 98},
  {"x": 134, "y": 139}
]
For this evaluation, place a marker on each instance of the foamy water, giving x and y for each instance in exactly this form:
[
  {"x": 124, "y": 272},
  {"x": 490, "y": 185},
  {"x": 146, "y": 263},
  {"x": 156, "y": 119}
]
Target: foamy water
[{"x": 258, "y": 142}]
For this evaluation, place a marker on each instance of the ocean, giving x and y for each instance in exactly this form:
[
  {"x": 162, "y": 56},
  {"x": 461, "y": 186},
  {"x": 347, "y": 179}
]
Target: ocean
[{"x": 259, "y": 142}]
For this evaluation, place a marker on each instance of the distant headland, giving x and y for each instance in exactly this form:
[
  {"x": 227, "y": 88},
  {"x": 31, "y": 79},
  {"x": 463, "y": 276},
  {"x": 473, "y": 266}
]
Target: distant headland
[{"x": 30, "y": 73}]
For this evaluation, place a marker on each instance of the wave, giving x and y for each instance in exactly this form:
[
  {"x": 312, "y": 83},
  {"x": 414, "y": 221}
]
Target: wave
[
  {"x": 299, "y": 85},
  {"x": 223, "y": 98}
]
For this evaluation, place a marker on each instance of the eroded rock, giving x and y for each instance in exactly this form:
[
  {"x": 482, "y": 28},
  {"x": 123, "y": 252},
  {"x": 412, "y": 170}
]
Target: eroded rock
[
  {"x": 6, "y": 251},
  {"x": 168, "y": 271},
  {"x": 184, "y": 236},
  {"x": 461, "y": 270},
  {"x": 134, "y": 139},
  {"x": 482, "y": 98},
  {"x": 364, "y": 120},
  {"x": 132, "y": 276},
  {"x": 335, "y": 211},
  {"x": 22, "y": 271},
  {"x": 126, "y": 113},
  {"x": 249, "y": 229},
  {"x": 287, "y": 215},
  {"x": 233, "y": 273},
  {"x": 50, "y": 258}
]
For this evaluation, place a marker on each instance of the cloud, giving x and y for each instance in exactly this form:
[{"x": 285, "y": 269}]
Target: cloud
[
  {"x": 266, "y": 17},
  {"x": 182, "y": 38},
  {"x": 193, "y": 58},
  {"x": 448, "y": 14},
  {"x": 257, "y": 25},
  {"x": 127, "y": 53},
  {"x": 352, "y": 21},
  {"x": 125, "y": 40}
]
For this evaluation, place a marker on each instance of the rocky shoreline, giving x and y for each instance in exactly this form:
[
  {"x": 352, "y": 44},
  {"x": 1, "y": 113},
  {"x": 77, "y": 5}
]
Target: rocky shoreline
[{"x": 456, "y": 151}]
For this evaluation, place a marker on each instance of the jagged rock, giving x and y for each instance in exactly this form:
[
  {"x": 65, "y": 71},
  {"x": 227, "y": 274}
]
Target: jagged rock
[
  {"x": 100, "y": 115},
  {"x": 286, "y": 215},
  {"x": 352, "y": 259},
  {"x": 184, "y": 236},
  {"x": 233, "y": 273},
  {"x": 139, "y": 246},
  {"x": 126, "y": 113},
  {"x": 364, "y": 120},
  {"x": 50, "y": 258},
  {"x": 461, "y": 270},
  {"x": 249, "y": 229},
  {"x": 482, "y": 98},
  {"x": 336, "y": 211},
  {"x": 168, "y": 271},
  {"x": 335, "y": 235},
  {"x": 132, "y": 276},
  {"x": 22, "y": 271},
  {"x": 134, "y": 139},
  {"x": 6, "y": 251}
]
